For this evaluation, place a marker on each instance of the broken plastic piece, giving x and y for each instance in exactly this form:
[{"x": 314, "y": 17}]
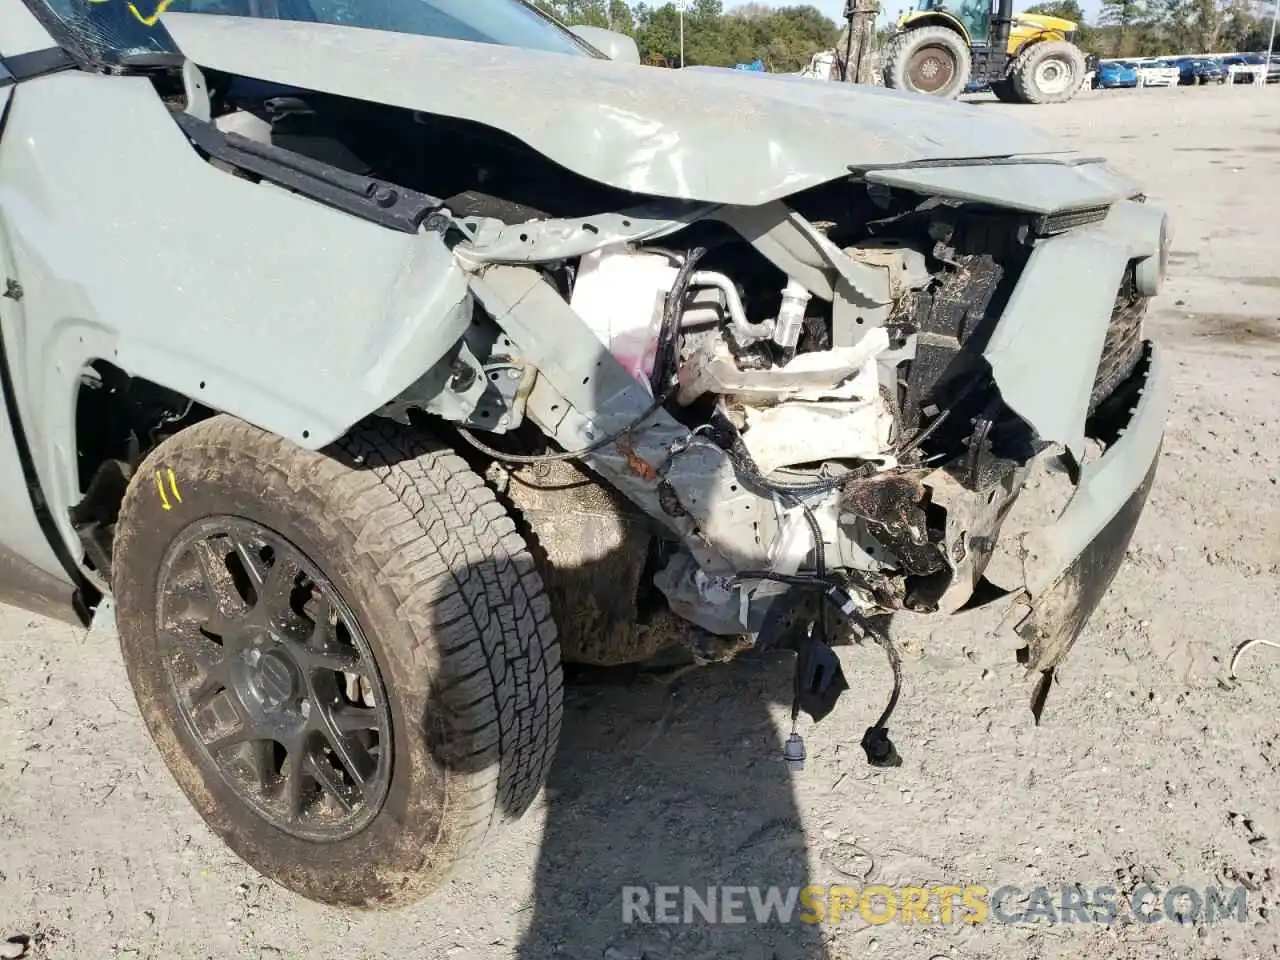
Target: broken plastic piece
[
  {"x": 793, "y": 750},
  {"x": 820, "y": 679},
  {"x": 797, "y": 432},
  {"x": 1240, "y": 651}
]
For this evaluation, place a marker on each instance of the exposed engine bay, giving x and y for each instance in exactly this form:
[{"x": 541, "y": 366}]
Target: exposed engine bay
[
  {"x": 723, "y": 427},
  {"x": 363, "y": 377}
]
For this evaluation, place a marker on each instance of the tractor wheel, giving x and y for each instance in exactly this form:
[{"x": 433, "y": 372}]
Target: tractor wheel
[
  {"x": 1005, "y": 92},
  {"x": 928, "y": 60},
  {"x": 1049, "y": 72}
]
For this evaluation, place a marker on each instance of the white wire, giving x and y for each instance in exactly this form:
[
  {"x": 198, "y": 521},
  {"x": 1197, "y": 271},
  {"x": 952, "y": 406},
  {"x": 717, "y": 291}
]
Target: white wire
[{"x": 1240, "y": 650}]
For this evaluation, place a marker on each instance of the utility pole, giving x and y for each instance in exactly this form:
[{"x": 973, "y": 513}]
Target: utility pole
[
  {"x": 1125, "y": 13},
  {"x": 681, "y": 6},
  {"x": 1271, "y": 42},
  {"x": 855, "y": 53}
]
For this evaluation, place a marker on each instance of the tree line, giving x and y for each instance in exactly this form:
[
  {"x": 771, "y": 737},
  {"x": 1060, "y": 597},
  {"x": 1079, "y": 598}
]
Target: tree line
[
  {"x": 785, "y": 38},
  {"x": 1139, "y": 28}
]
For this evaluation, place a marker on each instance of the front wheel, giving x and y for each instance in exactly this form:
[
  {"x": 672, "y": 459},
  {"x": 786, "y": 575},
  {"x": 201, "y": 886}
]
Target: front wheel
[
  {"x": 1048, "y": 72},
  {"x": 928, "y": 60},
  {"x": 346, "y": 658}
]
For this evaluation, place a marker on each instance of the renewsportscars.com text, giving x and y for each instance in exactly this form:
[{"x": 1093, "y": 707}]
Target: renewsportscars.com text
[{"x": 972, "y": 904}]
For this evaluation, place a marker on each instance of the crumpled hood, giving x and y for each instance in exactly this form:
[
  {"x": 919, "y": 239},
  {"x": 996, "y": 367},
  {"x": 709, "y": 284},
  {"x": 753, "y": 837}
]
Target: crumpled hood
[{"x": 710, "y": 136}]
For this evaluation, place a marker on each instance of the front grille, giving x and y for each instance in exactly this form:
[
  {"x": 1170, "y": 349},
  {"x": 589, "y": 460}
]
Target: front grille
[{"x": 1123, "y": 345}]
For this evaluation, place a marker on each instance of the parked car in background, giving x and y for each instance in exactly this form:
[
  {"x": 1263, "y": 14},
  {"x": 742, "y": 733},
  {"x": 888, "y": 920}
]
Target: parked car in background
[
  {"x": 1239, "y": 60},
  {"x": 1193, "y": 71},
  {"x": 1252, "y": 60},
  {"x": 1208, "y": 70},
  {"x": 1157, "y": 73},
  {"x": 1115, "y": 74}
]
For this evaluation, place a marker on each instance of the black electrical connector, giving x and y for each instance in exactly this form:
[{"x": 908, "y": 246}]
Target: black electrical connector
[
  {"x": 879, "y": 748},
  {"x": 819, "y": 679}
]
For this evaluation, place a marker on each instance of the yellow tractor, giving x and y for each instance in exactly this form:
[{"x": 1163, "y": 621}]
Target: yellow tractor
[{"x": 941, "y": 49}]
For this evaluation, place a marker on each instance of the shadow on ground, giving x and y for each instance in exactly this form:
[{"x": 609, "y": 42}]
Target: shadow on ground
[{"x": 632, "y": 801}]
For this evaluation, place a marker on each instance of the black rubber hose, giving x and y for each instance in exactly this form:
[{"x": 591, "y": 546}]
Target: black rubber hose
[
  {"x": 895, "y": 663},
  {"x": 664, "y": 354}
]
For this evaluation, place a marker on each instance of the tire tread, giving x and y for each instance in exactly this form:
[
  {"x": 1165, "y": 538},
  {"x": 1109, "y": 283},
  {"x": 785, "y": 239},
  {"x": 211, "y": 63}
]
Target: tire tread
[{"x": 423, "y": 527}]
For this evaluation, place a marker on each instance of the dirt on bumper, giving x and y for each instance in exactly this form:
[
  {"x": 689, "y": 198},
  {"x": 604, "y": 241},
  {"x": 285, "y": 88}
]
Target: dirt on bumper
[
  {"x": 1061, "y": 612},
  {"x": 1070, "y": 564}
]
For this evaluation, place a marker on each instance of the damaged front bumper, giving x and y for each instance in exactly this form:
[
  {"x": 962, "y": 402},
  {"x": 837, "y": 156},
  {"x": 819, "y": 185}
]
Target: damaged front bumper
[{"x": 1070, "y": 564}]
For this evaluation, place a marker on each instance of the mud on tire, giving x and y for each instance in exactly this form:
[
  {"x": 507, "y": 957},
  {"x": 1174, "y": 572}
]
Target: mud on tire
[
  {"x": 430, "y": 570},
  {"x": 1048, "y": 72}
]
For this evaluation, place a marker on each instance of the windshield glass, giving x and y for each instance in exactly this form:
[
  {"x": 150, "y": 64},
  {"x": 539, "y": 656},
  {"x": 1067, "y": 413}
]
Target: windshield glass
[
  {"x": 974, "y": 14},
  {"x": 115, "y": 29}
]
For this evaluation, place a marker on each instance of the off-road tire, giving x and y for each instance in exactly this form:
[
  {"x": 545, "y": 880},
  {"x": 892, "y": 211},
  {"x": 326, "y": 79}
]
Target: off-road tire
[
  {"x": 1004, "y": 91},
  {"x": 949, "y": 45},
  {"x": 454, "y": 613},
  {"x": 1024, "y": 74}
]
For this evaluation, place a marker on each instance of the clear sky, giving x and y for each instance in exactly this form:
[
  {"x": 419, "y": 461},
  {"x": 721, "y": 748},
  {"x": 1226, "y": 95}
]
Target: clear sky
[{"x": 833, "y": 8}]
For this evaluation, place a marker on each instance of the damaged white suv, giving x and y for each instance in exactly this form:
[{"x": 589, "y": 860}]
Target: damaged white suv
[{"x": 374, "y": 356}]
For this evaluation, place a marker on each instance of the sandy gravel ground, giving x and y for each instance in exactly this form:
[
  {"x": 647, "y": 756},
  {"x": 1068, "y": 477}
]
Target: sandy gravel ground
[{"x": 1150, "y": 768}]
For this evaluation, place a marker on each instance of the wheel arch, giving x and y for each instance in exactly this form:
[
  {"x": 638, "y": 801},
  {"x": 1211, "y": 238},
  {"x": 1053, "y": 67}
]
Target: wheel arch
[
  {"x": 1027, "y": 43},
  {"x": 935, "y": 18},
  {"x": 231, "y": 299},
  {"x": 117, "y": 418},
  {"x": 97, "y": 385}
]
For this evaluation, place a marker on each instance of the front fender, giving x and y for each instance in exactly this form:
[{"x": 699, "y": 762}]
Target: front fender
[
  {"x": 243, "y": 296},
  {"x": 913, "y": 20}
]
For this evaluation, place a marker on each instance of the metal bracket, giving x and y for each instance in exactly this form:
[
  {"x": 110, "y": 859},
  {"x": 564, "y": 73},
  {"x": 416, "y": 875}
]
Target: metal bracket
[
  {"x": 538, "y": 241},
  {"x": 501, "y": 406},
  {"x": 803, "y": 252},
  {"x": 582, "y": 393}
]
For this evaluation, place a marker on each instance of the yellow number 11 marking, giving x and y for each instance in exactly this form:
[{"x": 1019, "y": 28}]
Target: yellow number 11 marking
[{"x": 161, "y": 476}]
